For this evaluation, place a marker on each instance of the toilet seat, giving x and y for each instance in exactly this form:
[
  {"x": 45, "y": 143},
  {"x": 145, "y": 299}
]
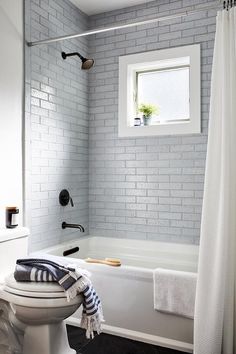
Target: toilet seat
[
  {"x": 38, "y": 295},
  {"x": 33, "y": 289}
]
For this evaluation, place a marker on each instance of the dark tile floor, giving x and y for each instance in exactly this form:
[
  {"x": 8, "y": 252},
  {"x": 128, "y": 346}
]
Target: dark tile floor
[{"x": 108, "y": 344}]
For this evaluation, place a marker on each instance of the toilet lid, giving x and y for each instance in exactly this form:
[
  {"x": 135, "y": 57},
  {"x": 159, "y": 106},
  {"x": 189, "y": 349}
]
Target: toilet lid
[{"x": 33, "y": 289}]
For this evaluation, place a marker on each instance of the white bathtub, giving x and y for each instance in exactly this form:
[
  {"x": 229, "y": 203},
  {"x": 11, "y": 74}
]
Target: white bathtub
[{"x": 127, "y": 291}]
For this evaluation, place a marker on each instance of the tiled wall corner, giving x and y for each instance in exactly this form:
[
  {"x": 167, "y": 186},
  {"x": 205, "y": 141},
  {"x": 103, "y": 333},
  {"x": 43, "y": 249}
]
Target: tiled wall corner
[{"x": 56, "y": 123}]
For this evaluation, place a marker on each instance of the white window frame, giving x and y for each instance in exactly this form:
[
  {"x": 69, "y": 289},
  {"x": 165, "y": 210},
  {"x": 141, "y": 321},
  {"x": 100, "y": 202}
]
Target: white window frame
[{"x": 129, "y": 65}]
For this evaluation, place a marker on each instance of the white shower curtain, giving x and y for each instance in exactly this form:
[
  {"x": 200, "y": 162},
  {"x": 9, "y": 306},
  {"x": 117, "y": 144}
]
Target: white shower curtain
[{"x": 215, "y": 321}]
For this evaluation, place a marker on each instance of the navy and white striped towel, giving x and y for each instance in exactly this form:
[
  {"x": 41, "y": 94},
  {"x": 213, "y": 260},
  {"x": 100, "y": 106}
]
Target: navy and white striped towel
[{"x": 73, "y": 281}]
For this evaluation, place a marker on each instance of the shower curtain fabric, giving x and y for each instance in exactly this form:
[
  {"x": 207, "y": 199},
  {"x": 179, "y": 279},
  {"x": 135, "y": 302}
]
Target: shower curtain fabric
[{"x": 215, "y": 321}]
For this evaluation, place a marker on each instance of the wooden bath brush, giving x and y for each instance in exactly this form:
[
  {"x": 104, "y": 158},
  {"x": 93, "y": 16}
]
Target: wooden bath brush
[{"x": 108, "y": 261}]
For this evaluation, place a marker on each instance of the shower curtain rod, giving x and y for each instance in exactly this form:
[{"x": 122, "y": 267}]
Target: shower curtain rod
[{"x": 131, "y": 24}]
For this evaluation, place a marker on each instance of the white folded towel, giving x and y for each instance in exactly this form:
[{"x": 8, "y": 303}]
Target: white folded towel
[{"x": 174, "y": 291}]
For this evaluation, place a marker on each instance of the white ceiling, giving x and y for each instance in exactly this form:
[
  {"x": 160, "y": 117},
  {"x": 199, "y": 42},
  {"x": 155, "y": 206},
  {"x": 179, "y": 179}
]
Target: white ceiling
[{"x": 92, "y": 7}]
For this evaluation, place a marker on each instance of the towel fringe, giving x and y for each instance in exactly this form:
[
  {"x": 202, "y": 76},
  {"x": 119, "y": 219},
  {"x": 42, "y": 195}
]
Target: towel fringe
[
  {"x": 78, "y": 286},
  {"x": 92, "y": 323}
]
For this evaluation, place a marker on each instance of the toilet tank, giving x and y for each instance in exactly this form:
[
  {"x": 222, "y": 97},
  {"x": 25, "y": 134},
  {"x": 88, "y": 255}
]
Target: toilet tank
[{"x": 13, "y": 245}]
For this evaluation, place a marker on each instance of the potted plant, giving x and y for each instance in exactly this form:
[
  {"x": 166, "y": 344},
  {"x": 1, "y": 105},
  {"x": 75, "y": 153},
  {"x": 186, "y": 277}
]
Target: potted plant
[{"x": 147, "y": 110}]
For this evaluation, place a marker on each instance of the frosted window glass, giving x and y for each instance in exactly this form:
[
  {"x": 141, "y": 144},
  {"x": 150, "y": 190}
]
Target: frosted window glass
[{"x": 167, "y": 89}]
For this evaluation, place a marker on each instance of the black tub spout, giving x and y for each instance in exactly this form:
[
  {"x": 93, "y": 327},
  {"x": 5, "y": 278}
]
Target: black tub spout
[{"x": 64, "y": 225}]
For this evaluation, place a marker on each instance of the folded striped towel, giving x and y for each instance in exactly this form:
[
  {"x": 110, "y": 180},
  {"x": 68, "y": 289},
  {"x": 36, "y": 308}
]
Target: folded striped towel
[{"x": 72, "y": 280}]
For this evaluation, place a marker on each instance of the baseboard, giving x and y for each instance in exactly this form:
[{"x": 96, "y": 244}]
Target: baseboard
[{"x": 139, "y": 336}]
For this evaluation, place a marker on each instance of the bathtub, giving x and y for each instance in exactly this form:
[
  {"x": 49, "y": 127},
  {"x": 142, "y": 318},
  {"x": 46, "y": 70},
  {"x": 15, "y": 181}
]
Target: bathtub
[{"x": 127, "y": 291}]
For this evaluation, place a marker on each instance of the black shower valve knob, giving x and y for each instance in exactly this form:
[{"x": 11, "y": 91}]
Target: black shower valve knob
[{"x": 65, "y": 198}]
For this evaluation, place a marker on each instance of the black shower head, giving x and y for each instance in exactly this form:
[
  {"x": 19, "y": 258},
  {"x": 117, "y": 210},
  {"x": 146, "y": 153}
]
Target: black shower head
[{"x": 86, "y": 63}]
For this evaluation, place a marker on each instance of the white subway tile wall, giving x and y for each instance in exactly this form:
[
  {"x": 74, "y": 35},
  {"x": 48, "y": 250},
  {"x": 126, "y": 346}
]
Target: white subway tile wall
[
  {"x": 147, "y": 188},
  {"x": 56, "y": 123}
]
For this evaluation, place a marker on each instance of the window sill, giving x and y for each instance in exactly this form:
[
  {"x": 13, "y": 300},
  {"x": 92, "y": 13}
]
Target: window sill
[{"x": 189, "y": 127}]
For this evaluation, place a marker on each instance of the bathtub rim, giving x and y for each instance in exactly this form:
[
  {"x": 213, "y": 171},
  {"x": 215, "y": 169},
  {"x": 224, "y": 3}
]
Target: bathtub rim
[
  {"x": 127, "y": 240},
  {"x": 166, "y": 250}
]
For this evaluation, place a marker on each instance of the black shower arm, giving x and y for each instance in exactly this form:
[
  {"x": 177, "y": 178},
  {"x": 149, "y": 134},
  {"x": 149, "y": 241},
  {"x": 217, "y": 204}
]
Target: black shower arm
[{"x": 72, "y": 54}]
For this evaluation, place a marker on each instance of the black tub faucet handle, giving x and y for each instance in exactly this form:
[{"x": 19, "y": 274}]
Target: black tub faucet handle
[{"x": 71, "y": 202}]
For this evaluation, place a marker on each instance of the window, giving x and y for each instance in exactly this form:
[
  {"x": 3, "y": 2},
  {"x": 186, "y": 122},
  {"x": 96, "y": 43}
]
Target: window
[
  {"x": 159, "y": 92},
  {"x": 167, "y": 89}
]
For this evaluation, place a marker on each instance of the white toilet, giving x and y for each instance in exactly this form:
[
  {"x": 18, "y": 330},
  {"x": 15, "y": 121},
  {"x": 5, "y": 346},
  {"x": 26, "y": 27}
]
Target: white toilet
[{"x": 31, "y": 314}]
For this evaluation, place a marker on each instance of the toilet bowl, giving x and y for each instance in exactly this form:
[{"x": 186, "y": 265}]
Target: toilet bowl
[{"x": 37, "y": 310}]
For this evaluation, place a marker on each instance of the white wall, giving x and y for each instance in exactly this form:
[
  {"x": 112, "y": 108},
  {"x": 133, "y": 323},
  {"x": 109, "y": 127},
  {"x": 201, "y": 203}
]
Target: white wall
[{"x": 11, "y": 104}]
